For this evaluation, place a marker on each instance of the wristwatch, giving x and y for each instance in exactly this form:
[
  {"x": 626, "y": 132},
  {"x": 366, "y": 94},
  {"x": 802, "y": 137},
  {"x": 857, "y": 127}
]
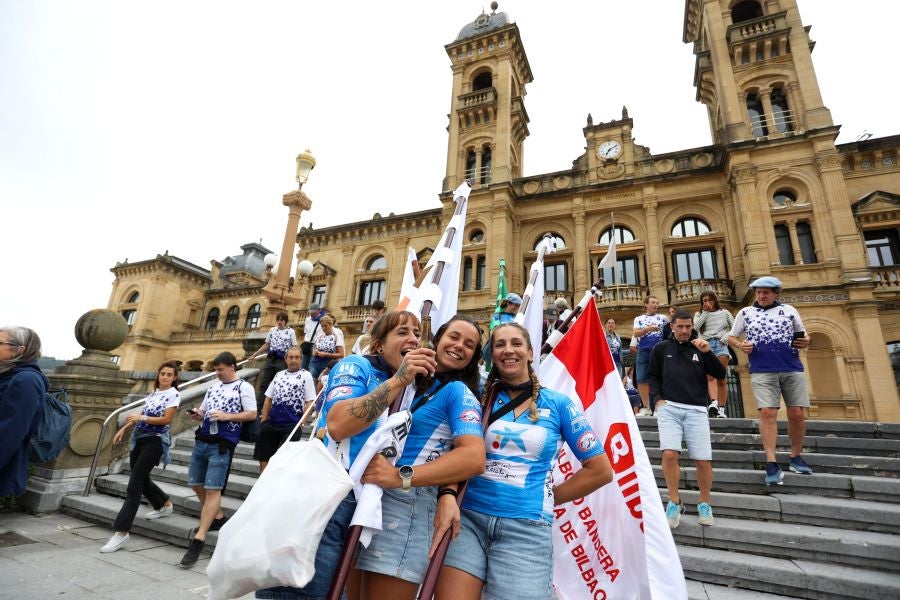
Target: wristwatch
[{"x": 406, "y": 475}]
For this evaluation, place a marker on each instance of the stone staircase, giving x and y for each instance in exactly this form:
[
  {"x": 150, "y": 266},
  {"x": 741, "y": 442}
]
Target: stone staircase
[{"x": 831, "y": 535}]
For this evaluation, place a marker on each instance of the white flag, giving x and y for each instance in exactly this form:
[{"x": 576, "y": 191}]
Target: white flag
[
  {"x": 408, "y": 287},
  {"x": 616, "y": 540},
  {"x": 610, "y": 259},
  {"x": 443, "y": 294},
  {"x": 533, "y": 317}
]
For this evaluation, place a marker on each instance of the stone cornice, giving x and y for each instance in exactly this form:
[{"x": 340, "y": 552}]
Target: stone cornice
[
  {"x": 377, "y": 228},
  {"x": 165, "y": 264}
]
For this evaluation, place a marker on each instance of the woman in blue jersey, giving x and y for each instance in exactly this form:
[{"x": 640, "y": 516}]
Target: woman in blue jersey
[
  {"x": 149, "y": 442},
  {"x": 504, "y": 548},
  {"x": 444, "y": 445},
  {"x": 367, "y": 384}
]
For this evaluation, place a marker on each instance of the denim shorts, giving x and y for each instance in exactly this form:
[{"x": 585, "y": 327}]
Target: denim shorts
[
  {"x": 641, "y": 366},
  {"x": 677, "y": 424},
  {"x": 513, "y": 557},
  {"x": 401, "y": 549},
  {"x": 768, "y": 388},
  {"x": 209, "y": 466},
  {"x": 718, "y": 348},
  {"x": 327, "y": 557}
]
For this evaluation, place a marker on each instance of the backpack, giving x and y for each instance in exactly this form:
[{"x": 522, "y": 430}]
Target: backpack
[{"x": 51, "y": 434}]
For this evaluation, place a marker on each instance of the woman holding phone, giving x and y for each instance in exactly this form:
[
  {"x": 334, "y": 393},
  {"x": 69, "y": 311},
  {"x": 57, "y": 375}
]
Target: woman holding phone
[{"x": 149, "y": 443}]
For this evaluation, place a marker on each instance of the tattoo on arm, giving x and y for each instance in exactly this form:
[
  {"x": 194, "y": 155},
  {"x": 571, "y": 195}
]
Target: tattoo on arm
[
  {"x": 401, "y": 372},
  {"x": 370, "y": 406}
]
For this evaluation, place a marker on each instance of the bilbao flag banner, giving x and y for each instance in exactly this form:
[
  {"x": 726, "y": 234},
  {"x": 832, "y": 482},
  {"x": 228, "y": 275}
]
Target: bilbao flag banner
[{"x": 614, "y": 544}]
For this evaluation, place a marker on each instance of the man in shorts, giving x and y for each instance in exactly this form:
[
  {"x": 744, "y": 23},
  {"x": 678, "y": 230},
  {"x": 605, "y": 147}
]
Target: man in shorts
[
  {"x": 678, "y": 388},
  {"x": 229, "y": 402},
  {"x": 773, "y": 334},
  {"x": 648, "y": 331}
]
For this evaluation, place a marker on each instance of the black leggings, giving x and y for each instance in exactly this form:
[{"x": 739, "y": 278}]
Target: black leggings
[{"x": 146, "y": 454}]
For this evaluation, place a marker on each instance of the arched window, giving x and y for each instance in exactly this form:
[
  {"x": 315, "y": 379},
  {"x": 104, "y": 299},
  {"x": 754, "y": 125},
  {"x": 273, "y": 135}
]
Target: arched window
[
  {"x": 485, "y": 165},
  {"x": 134, "y": 297},
  {"x": 376, "y": 263},
  {"x": 129, "y": 316},
  {"x": 470, "y": 165},
  {"x": 557, "y": 239},
  {"x": 623, "y": 236},
  {"x": 784, "y": 121},
  {"x": 252, "y": 320},
  {"x": 781, "y": 197},
  {"x": 212, "y": 320},
  {"x": 757, "y": 116},
  {"x": 783, "y": 242},
  {"x": 482, "y": 81},
  {"x": 690, "y": 227},
  {"x": 467, "y": 274},
  {"x": 477, "y": 236},
  {"x": 805, "y": 241},
  {"x": 744, "y": 11},
  {"x": 231, "y": 317},
  {"x": 480, "y": 279}
]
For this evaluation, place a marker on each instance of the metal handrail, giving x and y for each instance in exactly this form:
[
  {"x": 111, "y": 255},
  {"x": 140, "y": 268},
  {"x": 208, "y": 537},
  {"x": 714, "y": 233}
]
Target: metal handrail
[{"x": 120, "y": 410}]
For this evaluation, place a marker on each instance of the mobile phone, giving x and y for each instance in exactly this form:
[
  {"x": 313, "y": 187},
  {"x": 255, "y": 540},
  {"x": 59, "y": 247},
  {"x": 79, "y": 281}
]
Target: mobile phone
[{"x": 799, "y": 334}]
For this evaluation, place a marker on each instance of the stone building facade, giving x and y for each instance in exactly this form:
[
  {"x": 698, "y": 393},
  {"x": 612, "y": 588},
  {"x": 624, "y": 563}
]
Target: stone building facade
[{"x": 773, "y": 194}]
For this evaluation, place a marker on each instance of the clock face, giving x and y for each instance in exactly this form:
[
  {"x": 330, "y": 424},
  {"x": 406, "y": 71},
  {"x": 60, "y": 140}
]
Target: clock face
[{"x": 609, "y": 149}]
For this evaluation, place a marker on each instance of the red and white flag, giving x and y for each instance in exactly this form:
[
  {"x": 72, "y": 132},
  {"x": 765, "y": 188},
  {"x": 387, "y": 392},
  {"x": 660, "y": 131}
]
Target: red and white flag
[{"x": 614, "y": 543}]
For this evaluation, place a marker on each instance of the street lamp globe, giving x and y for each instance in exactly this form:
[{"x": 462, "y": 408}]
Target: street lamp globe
[
  {"x": 305, "y": 163},
  {"x": 270, "y": 261},
  {"x": 304, "y": 267}
]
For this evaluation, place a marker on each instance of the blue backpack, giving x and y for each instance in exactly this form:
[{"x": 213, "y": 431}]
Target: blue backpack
[{"x": 51, "y": 434}]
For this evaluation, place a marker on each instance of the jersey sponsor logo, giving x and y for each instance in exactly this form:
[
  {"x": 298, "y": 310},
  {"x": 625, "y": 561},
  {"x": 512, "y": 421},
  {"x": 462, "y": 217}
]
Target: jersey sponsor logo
[
  {"x": 470, "y": 416},
  {"x": 695, "y": 358},
  {"x": 348, "y": 368},
  {"x": 587, "y": 441},
  {"x": 579, "y": 423},
  {"x": 341, "y": 390},
  {"x": 344, "y": 380},
  {"x": 513, "y": 439},
  {"x": 544, "y": 413},
  {"x": 469, "y": 398}
]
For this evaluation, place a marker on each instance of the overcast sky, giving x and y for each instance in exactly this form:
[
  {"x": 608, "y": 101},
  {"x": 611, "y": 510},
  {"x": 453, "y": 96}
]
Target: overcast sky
[{"x": 131, "y": 128}]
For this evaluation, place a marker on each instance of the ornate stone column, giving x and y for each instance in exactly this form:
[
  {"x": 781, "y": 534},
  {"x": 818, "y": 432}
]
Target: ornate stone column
[
  {"x": 580, "y": 253},
  {"x": 743, "y": 183},
  {"x": 656, "y": 276},
  {"x": 277, "y": 291},
  {"x": 846, "y": 236},
  {"x": 95, "y": 387},
  {"x": 735, "y": 240}
]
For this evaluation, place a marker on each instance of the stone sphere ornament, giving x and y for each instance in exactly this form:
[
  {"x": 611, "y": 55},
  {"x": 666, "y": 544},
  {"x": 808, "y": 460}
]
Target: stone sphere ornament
[{"x": 101, "y": 329}]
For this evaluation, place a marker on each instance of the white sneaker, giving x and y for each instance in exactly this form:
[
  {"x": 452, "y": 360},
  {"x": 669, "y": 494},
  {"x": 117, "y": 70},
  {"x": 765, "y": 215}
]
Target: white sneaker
[
  {"x": 713, "y": 409},
  {"x": 721, "y": 414},
  {"x": 645, "y": 412},
  {"x": 165, "y": 511},
  {"x": 115, "y": 542}
]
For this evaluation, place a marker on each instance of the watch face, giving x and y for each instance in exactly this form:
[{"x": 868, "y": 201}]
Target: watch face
[
  {"x": 609, "y": 149},
  {"x": 406, "y": 472}
]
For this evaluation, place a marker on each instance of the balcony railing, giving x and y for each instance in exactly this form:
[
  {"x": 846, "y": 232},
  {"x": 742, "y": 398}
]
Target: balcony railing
[
  {"x": 479, "y": 97},
  {"x": 624, "y": 295},
  {"x": 355, "y": 313},
  {"x": 213, "y": 334},
  {"x": 689, "y": 291},
  {"x": 758, "y": 27},
  {"x": 887, "y": 276}
]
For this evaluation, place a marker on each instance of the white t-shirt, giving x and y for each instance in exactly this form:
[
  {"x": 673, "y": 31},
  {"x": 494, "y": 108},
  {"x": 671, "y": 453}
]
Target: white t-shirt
[
  {"x": 330, "y": 343},
  {"x": 156, "y": 406}
]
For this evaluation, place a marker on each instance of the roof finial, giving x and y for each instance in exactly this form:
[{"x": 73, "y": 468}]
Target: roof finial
[
  {"x": 590, "y": 120},
  {"x": 494, "y": 6},
  {"x": 624, "y": 112}
]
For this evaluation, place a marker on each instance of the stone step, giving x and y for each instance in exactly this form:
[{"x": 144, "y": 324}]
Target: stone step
[
  {"x": 697, "y": 590},
  {"x": 814, "y": 427},
  {"x": 793, "y": 578},
  {"x": 873, "y": 466},
  {"x": 839, "y": 513},
  {"x": 724, "y": 440},
  {"x": 867, "y": 549},
  {"x": 745, "y": 481},
  {"x": 183, "y": 497},
  {"x": 238, "y": 486},
  {"x": 102, "y": 509}
]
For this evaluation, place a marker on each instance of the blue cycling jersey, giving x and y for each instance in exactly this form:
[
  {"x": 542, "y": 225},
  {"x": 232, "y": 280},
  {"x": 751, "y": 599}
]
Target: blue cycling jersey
[
  {"x": 353, "y": 377},
  {"x": 452, "y": 411},
  {"x": 517, "y": 482}
]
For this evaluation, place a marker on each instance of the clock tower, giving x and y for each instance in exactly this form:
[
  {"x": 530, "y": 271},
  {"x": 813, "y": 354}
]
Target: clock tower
[{"x": 488, "y": 122}]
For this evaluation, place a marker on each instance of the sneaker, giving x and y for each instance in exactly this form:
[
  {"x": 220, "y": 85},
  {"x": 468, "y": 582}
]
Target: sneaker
[
  {"x": 115, "y": 542},
  {"x": 721, "y": 414},
  {"x": 218, "y": 523},
  {"x": 705, "y": 512},
  {"x": 673, "y": 513},
  {"x": 798, "y": 465},
  {"x": 192, "y": 555},
  {"x": 165, "y": 511},
  {"x": 645, "y": 412},
  {"x": 713, "y": 409},
  {"x": 773, "y": 474}
]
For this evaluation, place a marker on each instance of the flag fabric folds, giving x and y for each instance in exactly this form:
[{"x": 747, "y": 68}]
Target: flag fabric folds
[
  {"x": 615, "y": 540},
  {"x": 533, "y": 317},
  {"x": 408, "y": 289},
  {"x": 501, "y": 294}
]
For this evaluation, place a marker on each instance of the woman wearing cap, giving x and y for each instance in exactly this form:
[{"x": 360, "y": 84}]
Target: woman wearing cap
[
  {"x": 509, "y": 306},
  {"x": 504, "y": 547}
]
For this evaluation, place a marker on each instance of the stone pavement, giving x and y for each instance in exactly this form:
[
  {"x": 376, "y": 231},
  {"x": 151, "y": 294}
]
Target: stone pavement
[
  {"x": 58, "y": 556},
  {"x": 55, "y": 555}
]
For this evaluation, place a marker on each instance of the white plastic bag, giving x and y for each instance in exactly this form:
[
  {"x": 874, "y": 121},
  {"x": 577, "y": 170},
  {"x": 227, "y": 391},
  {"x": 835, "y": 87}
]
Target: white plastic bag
[{"x": 272, "y": 539}]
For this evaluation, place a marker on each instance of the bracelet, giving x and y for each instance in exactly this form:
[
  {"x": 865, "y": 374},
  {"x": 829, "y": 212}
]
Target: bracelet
[
  {"x": 143, "y": 418},
  {"x": 447, "y": 492}
]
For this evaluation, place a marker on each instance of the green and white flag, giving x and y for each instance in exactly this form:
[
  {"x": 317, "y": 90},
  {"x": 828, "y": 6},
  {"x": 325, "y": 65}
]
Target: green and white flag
[{"x": 501, "y": 294}]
